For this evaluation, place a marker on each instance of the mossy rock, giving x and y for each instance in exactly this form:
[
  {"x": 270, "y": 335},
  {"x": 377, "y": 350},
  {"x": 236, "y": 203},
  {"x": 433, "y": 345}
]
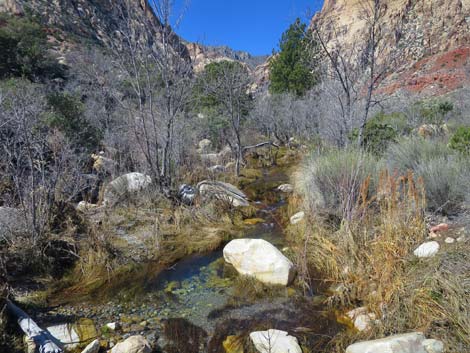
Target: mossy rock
[{"x": 233, "y": 344}]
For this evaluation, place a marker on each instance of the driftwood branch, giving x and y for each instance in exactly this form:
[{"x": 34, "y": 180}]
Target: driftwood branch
[
  {"x": 41, "y": 338},
  {"x": 262, "y": 144}
]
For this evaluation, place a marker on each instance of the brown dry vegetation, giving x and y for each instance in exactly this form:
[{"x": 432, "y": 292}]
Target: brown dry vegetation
[{"x": 369, "y": 262}]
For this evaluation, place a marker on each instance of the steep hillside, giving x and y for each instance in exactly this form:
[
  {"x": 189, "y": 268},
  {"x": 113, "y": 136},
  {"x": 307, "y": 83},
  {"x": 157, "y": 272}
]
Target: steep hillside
[{"x": 433, "y": 37}]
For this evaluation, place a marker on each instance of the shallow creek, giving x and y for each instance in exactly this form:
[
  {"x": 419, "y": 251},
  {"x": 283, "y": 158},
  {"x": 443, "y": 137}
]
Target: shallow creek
[{"x": 204, "y": 290}]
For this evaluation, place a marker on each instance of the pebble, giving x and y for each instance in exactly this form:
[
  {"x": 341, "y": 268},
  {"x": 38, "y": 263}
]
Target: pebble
[{"x": 449, "y": 240}]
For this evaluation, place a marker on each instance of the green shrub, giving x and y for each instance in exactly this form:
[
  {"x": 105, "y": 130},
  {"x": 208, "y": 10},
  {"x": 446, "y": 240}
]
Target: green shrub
[
  {"x": 444, "y": 181},
  {"x": 433, "y": 111},
  {"x": 67, "y": 116},
  {"x": 443, "y": 171},
  {"x": 460, "y": 141},
  {"x": 408, "y": 153},
  {"x": 331, "y": 181},
  {"x": 382, "y": 130},
  {"x": 24, "y": 50}
]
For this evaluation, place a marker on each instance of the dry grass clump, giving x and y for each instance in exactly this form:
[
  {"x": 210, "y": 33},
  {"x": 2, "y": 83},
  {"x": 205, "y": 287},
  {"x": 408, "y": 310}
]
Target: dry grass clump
[{"x": 368, "y": 262}]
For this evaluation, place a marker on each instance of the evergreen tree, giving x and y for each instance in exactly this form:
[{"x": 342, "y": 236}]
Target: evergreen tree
[{"x": 290, "y": 69}]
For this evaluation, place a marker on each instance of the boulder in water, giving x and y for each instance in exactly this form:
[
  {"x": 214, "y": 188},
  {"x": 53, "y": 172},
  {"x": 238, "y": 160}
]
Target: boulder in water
[
  {"x": 259, "y": 259},
  {"x": 275, "y": 341},
  {"x": 223, "y": 191},
  {"x": 133, "y": 344}
]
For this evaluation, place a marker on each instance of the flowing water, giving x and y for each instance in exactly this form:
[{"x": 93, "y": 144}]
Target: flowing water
[{"x": 203, "y": 290}]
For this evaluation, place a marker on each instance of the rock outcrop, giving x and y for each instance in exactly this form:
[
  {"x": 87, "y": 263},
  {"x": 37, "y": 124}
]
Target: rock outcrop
[
  {"x": 259, "y": 259},
  {"x": 432, "y": 38}
]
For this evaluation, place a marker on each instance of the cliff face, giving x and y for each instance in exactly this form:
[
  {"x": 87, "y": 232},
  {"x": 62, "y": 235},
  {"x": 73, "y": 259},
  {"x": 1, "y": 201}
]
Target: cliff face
[
  {"x": 432, "y": 36},
  {"x": 94, "y": 21}
]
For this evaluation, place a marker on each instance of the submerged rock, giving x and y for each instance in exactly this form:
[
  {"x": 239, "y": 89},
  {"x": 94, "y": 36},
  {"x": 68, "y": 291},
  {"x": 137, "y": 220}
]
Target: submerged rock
[
  {"x": 405, "y": 343},
  {"x": 133, "y": 344},
  {"x": 127, "y": 184},
  {"x": 259, "y": 259},
  {"x": 427, "y": 249},
  {"x": 275, "y": 341},
  {"x": 223, "y": 191},
  {"x": 298, "y": 217}
]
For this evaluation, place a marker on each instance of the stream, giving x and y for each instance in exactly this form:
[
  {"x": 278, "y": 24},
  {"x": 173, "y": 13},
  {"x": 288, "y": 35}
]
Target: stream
[{"x": 207, "y": 293}]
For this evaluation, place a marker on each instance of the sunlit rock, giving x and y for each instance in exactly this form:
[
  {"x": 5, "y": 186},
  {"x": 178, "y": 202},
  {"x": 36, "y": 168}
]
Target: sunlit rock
[{"x": 259, "y": 259}]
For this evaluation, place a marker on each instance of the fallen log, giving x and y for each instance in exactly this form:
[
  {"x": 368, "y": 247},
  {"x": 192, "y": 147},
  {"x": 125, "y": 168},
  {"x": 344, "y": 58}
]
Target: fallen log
[
  {"x": 42, "y": 338},
  {"x": 262, "y": 144}
]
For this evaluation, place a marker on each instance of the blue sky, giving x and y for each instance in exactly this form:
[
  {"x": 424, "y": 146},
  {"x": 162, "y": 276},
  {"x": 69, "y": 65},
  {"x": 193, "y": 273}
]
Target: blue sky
[{"x": 254, "y": 26}]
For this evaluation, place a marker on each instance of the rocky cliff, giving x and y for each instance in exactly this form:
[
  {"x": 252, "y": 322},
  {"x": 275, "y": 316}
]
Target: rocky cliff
[{"x": 432, "y": 36}]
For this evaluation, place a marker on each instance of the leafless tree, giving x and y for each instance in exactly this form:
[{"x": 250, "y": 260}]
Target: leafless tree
[
  {"x": 157, "y": 69},
  {"x": 226, "y": 83}
]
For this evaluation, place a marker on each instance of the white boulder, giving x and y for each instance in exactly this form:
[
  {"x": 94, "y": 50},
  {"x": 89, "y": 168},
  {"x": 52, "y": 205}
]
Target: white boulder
[
  {"x": 119, "y": 188},
  {"x": 133, "y": 344},
  {"x": 405, "y": 343},
  {"x": 223, "y": 191},
  {"x": 259, "y": 259},
  {"x": 427, "y": 249},
  {"x": 275, "y": 341},
  {"x": 84, "y": 206},
  {"x": 298, "y": 217},
  {"x": 93, "y": 347},
  {"x": 65, "y": 334},
  {"x": 286, "y": 188},
  {"x": 450, "y": 240}
]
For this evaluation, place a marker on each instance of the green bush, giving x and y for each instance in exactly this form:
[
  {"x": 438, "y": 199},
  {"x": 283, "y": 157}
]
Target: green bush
[
  {"x": 444, "y": 172},
  {"x": 382, "y": 130},
  {"x": 24, "y": 50},
  {"x": 433, "y": 111},
  {"x": 67, "y": 116},
  {"x": 408, "y": 153},
  {"x": 460, "y": 141},
  {"x": 331, "y": 181}
]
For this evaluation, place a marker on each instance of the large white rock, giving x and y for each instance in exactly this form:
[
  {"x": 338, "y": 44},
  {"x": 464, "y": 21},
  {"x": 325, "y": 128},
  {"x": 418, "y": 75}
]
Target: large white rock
[
  {"x": 204, "y": 146},
  {"x": 414, "y": 342},
  {"x": 126, "y": 184},
  {"x": 259, "y": 259},
  {"x": 298, "y": 217},
  {"x": 93, "y": 347},
  {"x": 134, "y": 344},
  {"x": 66, "y": 335},
  {"x": 223, "y": 191},
  {"x": 275, "y": 341},
  {"x": 427, "y": 249}
]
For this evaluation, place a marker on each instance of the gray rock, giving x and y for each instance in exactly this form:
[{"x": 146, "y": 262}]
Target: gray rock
[
  {"x": 125, "y": 185},
  {"x": 187, "y": 194},
  {"x": 298, "y": 217},
  {"x": 93, "y": 347},
  {"x": 223, "y": 191}
]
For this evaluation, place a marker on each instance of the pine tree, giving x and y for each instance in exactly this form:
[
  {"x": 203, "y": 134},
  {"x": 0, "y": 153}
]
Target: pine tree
[{"x": 290, "y": 69}]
